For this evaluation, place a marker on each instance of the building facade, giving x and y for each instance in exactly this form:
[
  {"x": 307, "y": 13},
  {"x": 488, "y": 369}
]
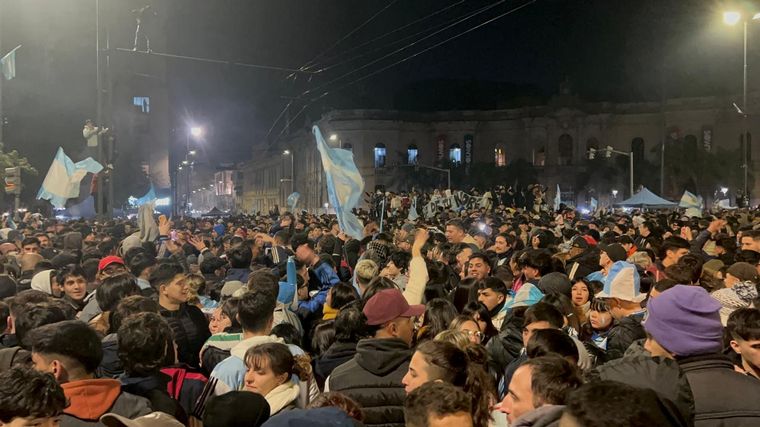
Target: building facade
[{"x": 554, "y": 138}]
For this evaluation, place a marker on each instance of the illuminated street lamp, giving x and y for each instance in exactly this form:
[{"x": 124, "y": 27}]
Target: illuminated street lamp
[
  {"x": 724, "y": 190},
  {"x": 334, "y": 137},
  {"x": 196, "y": 131},
  {"x": 614, "y": 194}
]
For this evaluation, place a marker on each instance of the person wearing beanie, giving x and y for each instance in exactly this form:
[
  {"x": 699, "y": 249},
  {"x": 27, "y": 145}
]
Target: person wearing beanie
[
  {"x": 741, "y": 272},
  {"x": 739, "y": 295},
  {"x": 622, "y": 294},
  {"x": 684, "y": 324}
]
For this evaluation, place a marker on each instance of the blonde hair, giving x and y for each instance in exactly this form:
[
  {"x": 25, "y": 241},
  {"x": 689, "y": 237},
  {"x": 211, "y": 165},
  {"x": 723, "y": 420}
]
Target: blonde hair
[
  {"x": 458, "y": 338},
  {"x": 195, "y": 282},
  {"x": 366, "y": 270}
]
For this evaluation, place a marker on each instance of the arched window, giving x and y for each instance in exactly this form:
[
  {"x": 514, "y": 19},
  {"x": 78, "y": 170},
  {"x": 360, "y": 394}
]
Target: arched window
[
  {"x": 411, "y": 154},
  {"x": 379, "y": 155},
  {"x": 539, "y": 156},
  {"x": 637, "y": 148},
  {"x": 565, "y": 150},
  {"x": 455, "y": 154},
  {"x": 499, "y": 156}
]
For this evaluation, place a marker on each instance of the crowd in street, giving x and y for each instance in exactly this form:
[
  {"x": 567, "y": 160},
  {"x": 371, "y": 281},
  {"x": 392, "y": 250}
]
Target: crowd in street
[{"x": 477, "y": 314}]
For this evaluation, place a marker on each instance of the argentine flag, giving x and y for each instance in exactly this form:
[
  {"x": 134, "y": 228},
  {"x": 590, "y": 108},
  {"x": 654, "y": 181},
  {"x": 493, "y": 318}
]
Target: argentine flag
[
  {"x": 62, "y": 180},
  {"x": 8, "y": 64},
  {"x": 344, "y": 184}
]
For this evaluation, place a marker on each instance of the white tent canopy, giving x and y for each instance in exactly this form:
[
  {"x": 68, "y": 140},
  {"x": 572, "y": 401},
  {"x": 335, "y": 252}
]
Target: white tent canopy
[{"x": 646, "y": 199}]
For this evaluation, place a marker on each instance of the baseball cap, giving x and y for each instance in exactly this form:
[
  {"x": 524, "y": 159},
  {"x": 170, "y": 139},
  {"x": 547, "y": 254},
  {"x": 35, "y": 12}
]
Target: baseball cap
[
  {"x": 154, "y": 419},
  {"x": 615, "y": 251},
  {"x": 389, "y": 304},
  {"x": 579, "y": 242},
  {"x": 743, "y": 271},
  {"x": 111, "y": 259}
]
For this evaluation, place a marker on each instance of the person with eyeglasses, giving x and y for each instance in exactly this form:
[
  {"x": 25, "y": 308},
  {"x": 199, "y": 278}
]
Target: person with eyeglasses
[{"x": 469, "y": 326}]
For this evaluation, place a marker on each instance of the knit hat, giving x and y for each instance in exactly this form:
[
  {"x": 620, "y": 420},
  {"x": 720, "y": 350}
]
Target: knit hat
[
  {"x": 224, "y": 410},
  {"x": 743, "y": 271},
  {"x": 685, "y": 320},
  {"x": 615, "y": 251},
  {"x": 713, "y": 266},
  {"x": 622, "y": 282},
  {"x": 219, "y": 229},
  {"x": 738, "y": 296},
  {"x": 555, "y": 283}
]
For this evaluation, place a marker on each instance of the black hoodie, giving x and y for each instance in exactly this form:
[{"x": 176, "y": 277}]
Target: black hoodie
[{"x": 373, "y": 378}]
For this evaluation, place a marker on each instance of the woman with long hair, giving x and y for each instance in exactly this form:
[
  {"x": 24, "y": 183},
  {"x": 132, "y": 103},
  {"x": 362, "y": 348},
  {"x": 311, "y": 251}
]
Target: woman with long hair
[
  {"x": 438, "y": 315},
  {"x": 444, "y": 361},
  {"x": 481, "y": 314},
  {"x": 581, "y": 295},
  {"x": 269, "y": 369}
]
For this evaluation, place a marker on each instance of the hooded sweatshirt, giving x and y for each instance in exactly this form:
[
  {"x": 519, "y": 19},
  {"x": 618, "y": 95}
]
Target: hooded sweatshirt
[
  {"x": 373, "y": 378},
  {"x": 41, "y": 282},
  {"x": 90, "y": 399}
]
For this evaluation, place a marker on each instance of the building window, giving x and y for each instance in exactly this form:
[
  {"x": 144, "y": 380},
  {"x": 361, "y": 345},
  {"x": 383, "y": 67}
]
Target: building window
[
  {"x": 539, "y": 156},
  {"x": 411, "y": 155},
  {"x": 379, "y": 155},
  {"x": 455, "y": 154},
  {"x": 565, "y": 150},
  {"x": 348, "y": 146},
  {"x": 143, "y": 103},
  {"x": 499, "y": 156}
]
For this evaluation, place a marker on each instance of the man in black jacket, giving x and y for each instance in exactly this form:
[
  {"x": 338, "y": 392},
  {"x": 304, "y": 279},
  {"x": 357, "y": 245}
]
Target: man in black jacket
[
  {"x": 373, "y": 376},
  {"x": 187, "y": 321},
  {"x": 684, "y": 324}
]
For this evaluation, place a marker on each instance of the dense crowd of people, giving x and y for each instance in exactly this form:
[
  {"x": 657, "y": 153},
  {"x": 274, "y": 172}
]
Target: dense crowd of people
[{"x": 481, "y": 314}]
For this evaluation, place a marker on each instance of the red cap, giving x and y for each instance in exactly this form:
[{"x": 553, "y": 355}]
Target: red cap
[
  {"x": 105, "y": 262},
  {"x": 389, "y": 304}
]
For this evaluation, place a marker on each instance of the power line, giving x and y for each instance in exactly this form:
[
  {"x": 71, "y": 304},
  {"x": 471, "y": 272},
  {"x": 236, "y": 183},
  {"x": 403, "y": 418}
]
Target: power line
[
  {"x": 382, "y": 36},
  {"x": 469, "y": 30},
  {"x": 216, "y": 61},
  {"x": 349, "y": 34},
  {"x": 401, "y": 49}
]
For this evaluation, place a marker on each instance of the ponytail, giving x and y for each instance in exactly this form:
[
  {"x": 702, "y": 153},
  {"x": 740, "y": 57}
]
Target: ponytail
[{"x": 302, "y": 367}]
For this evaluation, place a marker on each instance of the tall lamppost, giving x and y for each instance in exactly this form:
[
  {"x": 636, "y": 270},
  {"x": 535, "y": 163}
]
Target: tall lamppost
[
  {"x": 733, "y": 18},
  {"x": 195, "y": 132}
]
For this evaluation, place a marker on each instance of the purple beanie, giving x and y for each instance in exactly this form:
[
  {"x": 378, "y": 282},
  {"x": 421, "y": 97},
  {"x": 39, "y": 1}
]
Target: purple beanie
[{"x": 685, "y": 320}]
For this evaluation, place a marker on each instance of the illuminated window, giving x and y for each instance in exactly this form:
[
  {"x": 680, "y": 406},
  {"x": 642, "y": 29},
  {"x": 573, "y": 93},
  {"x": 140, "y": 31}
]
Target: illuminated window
[
  {"x": 411, "y": 155},
  {"x": 380, "y": 156},
  {"x": 143, "y": 102},
  {"x": 455, "y": 154},
  {"x": 499, "y": 157}
]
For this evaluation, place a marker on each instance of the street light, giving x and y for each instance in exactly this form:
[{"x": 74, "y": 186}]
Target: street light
[
  {"x": 292, "y": 168},
  {"x": 614, "y": 194},
  {"x": 196, "y": 131},
  {"x": 334, "y": 137},
  {"x": 733, "y": 17},
  {"x": 192, "y": 152},
  {"x": 724, "y": 190}
]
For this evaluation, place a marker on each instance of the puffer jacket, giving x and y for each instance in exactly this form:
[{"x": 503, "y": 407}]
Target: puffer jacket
[
  {"x": 373, "y": 378},
  {"x": 622, "y": 335},
  {"x": 722, "y": 397},
  {"x": 505, "y": 347},
  {"x": 661, "y": 375},
  {"x": 190, "y": 329}
]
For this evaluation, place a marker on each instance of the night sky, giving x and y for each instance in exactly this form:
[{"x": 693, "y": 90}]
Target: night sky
[{"x": 614, "y": 50}]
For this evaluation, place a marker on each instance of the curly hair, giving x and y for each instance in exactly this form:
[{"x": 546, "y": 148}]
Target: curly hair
[
  {"x": 27, "y": 393},
  {"x": 434, "y": 398},
  {"x": 340, "y": 401},
  {"x": 145, "y": 344}
]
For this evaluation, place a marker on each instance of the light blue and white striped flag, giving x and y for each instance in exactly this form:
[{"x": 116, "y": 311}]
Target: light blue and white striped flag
[
  {"x": 557, "y": 199},
  {"x": 8, "y": 64},
  {"x": 62, "y": 180},
  {"x": 413, "y": 215},
  {"x": 293, "y": 200},
  {"x": 344, "y": 184},
  {"x": 148, "y": 197}
]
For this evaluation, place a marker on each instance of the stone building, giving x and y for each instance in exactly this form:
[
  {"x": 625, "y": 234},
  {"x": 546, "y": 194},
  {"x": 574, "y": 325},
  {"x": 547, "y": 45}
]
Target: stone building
[{"x": 554, "y": 138}]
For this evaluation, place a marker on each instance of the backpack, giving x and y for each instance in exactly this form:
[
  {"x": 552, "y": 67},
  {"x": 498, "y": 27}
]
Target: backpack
[{"x": 186, "y": 385}]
